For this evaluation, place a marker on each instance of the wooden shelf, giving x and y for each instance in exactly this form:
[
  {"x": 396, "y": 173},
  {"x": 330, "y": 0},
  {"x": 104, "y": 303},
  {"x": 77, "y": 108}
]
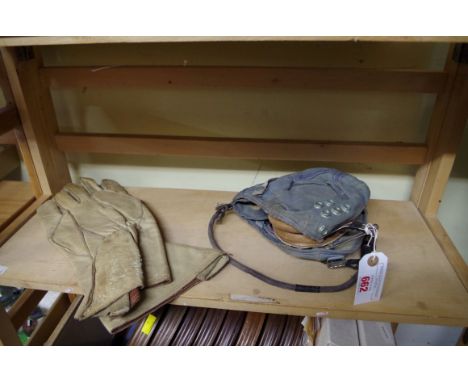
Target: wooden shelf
[
  {"x": 421, "y": 285},
  {"x": 31, "y": 40}
]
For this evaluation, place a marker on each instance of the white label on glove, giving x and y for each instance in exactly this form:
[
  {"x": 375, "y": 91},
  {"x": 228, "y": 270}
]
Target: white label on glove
[
  {"x": 371, "y": 277},
  {"x": 3, "y": 269}
]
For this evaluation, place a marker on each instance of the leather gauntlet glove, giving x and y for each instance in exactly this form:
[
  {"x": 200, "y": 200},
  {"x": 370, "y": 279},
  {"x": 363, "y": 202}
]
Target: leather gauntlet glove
[{"x": 102, "y": 245}]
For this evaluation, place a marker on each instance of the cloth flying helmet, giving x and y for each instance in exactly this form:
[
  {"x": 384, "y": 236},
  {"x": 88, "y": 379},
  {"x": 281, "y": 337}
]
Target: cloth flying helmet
[{"x": 317, "y": 214}]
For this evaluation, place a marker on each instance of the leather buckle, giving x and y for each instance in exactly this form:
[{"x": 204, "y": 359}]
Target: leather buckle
[{"x": 336, "y": 262}]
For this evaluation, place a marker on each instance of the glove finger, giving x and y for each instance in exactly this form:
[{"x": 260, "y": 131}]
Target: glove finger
[
  {"x": 50, "y": 216},
  {"x": 125, "y": 204},
  {"x": 112, "y": 185},
  {"x": 90, "y": 185},
  {"x": 65, "y": 200},
  {"x": 79, "y": 193},
  {"x": 68, "y": 236},
  {"x": 153, "y": 251}
]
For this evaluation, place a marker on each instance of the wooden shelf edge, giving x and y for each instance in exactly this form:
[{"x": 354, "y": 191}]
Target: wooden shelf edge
[
  {"x": 31, "y": 40},
  {"x": 320, "y": 312}
]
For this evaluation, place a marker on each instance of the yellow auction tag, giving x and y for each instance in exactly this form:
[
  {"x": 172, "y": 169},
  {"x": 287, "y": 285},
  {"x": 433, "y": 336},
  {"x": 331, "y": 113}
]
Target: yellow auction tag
[{"x": 149, "y": 323}]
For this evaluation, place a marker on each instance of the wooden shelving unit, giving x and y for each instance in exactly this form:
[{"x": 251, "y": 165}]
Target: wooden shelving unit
[{"x": 427, "y": 280}]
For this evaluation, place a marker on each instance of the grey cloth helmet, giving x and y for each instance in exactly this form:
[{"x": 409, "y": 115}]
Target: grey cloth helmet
[{"x": 317, "y": 203}]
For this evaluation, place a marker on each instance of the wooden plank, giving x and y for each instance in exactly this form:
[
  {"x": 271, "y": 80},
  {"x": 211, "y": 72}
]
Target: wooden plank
[
  {"x": 435, "y": 127},
  {"x": 68, "y": 315},
  {"x": 8, "y": 119},
  {"x": 421, "y": 285},
  {"x": 239, "y": 77},
  {"x": 8, "y": 334},
  {"x": 23, "y": 147},
  {"x": 446, "y": 145},
  {"x": 37, "y": 115},
  {"x": 15, "y": 197},
  {"x": 453, "y": 256},
  {"x": 4, "y": 84},
  {"x": 69, "y": 331},
  {"x": 16, "y": 224},
  {"x": 346, "y": 152},
  {"x": 31, "y": 40},
  {"x": 17, "y": 137},
  {"x": 51, "y": 320},
  {"x": 9, "y": 161},
  {"x": 24, "y": 306}
]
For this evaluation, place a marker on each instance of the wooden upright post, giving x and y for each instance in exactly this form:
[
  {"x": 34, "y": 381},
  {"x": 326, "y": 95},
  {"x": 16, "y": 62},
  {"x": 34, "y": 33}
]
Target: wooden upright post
[
  {"x": 36, "y": 111},
  {"x": 444, "y": 137},
  {"x": 8, "y": 334},
  {"x": 18, "y": 134}
]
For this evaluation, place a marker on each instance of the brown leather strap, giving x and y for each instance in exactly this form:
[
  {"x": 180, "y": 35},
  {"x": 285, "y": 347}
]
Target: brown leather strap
[{"x": 352, "y": 263}]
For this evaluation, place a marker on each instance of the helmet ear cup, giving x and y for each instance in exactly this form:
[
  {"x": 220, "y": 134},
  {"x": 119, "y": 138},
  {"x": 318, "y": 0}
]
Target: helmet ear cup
[
  {"x": 279, "y": 225},
  {"x": 290, "y": 236},
  {"x": 295, "y": 239}
]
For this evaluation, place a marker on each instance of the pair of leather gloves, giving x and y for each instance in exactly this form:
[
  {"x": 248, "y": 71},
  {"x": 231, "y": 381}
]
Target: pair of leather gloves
[{"x": 123, "y": 266}]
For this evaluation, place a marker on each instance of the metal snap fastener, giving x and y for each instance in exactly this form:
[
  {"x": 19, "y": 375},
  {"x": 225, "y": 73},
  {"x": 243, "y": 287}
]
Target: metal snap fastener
[
  {"x": 325, "y": 213},
  {"x": 318, "y": 205},
  {"x": 322, "y": 229},
  {"x": 336, "y": 211},
  {"x": 345, "y": 207}
]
